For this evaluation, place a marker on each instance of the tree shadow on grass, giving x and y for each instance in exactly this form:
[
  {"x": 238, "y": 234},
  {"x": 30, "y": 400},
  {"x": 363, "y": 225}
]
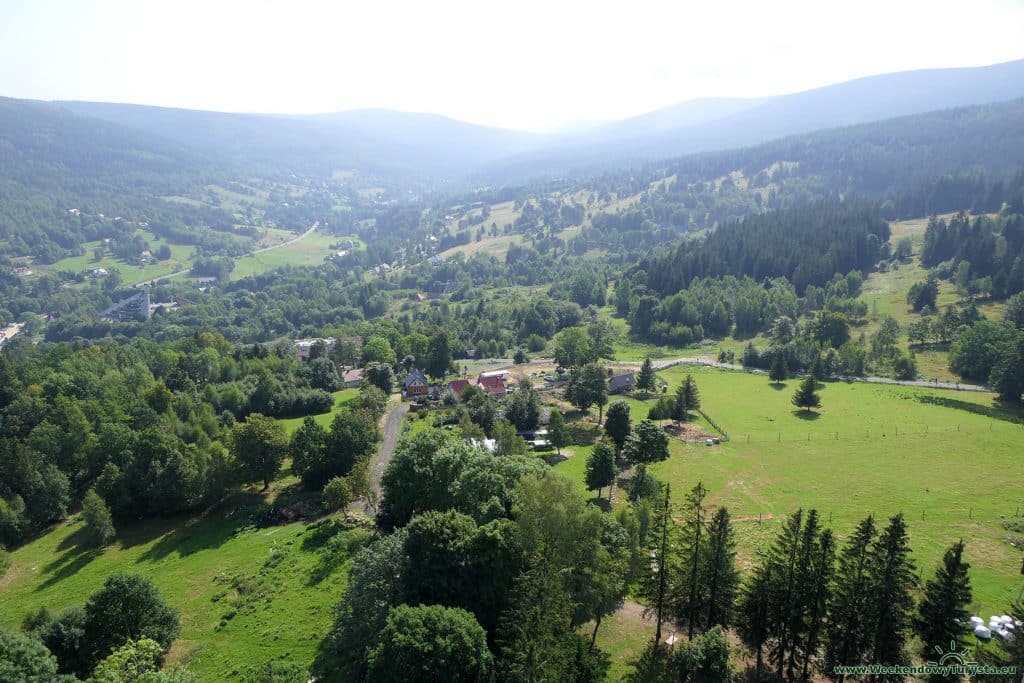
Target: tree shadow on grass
[
  {"x": 777, "y": 386},
  {"x": 810, "y": 415},
  {"x": 75, "y": 555},
  {"x": 207, "y": 530},
  {"x": 1002, "y": 410}
]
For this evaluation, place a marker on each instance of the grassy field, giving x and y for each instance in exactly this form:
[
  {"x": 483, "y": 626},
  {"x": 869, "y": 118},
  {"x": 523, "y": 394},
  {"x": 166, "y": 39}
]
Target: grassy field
[
  {"x": 310, "y": 251},
  {"x": 885, "y": 293},
  {"x": 245, "y": 595},
  {"x": 324, "y": 419},
  {"x": 952, "y": 469},
  {"x": 181, "y": 258}
]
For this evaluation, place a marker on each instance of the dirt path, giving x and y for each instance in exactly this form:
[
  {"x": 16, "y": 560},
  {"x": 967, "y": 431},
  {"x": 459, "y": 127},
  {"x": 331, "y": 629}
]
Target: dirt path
[
  {"x": 303, "y": 236},
  {"x": 392, "y": 430}
]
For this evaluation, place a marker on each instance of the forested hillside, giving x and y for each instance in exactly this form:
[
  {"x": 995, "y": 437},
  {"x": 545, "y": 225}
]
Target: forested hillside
[{"x": 52, "y": 161}]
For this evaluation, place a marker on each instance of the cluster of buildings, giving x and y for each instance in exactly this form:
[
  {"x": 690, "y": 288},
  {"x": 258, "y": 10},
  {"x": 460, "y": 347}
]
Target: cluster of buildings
[{"x": 416, "y": 385}]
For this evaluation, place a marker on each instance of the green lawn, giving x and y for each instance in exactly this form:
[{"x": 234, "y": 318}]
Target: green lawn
[
  {"x": 279, "y": 583},
  {"x": 953, "y": 472},
  {"x": 324, "y": 419}
]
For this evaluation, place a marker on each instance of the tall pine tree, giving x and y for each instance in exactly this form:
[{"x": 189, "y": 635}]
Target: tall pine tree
[
  {"x": 846, "y": 640},
  {"x": 687, "y": 593},
  {"x": 942, "y": 618},
  {"x": 891, "y": 593},
  {"x": 646, "y": 381},
  {"x": 720, "y": 578}
]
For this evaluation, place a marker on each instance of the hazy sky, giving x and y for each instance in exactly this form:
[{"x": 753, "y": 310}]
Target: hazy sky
[{"x": 520, "y": 64}]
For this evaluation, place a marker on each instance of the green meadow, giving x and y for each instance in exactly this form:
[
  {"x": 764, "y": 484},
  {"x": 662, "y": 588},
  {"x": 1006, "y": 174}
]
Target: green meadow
[
  {"x": 309, "y": 251},
  {"x": 323, "y": 419},
  {"x": 245, "y": 594},
  {"x": 949, "y": 461},
  {"x": 181, "y": 259}
]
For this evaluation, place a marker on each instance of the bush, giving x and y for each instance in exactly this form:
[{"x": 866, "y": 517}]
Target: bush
[
  {"x": 337, "y": 494},
  {"x": 276, "y": 672},
  {"x": 64, "y": 636},
  {"x": 535, "y": 343},
  {"x": 662, "y": 409},
  {"x": 27, "y": 660},
  {"x": 128, "y": 607},
  {"x": 905, "y": 367},
  {"x": 99, "y": 527}
]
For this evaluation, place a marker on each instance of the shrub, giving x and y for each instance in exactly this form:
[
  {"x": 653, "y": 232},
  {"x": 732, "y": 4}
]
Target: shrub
[
  {"x": 337, "y": 494},
  {"x": 99, "y": 526}
]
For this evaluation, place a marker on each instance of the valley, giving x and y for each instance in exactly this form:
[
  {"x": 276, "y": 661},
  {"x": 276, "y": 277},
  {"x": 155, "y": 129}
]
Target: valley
[{"x": 732, "y": 390}]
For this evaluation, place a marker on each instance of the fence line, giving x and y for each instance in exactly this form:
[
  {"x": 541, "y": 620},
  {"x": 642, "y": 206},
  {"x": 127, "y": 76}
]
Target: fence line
[
  {"x": 866, "y": 435},
  {"x": 718, "y": 428}
]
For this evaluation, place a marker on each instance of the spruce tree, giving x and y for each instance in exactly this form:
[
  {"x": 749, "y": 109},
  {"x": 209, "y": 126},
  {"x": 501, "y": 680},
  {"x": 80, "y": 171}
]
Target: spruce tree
[
  {"x": 661, "y": 571},
  {"x": 890, "y": 593},
  {"x": 646, "y": 381},
  {"x": 778, "y": 371},
  {"x": 806, "y": 397},
  {"x": 600, "y": 471},
  {"x": 533, "y": 629},
  {"x": 687, "y": 602},
  {"x": 846, "y": 641},
  {"x": 720, "y": 577},
  {"x": 754, "y": 614},
  {"x": 819, "y": 595},
  {"x": 942, "y": 618},
  {"x": 617, "y": 425},
  {"x": 799, "y": 606},
  {"x": 782, "y": 569}
]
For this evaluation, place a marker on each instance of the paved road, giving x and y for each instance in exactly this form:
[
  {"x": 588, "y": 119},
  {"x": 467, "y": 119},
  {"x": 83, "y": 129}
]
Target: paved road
[
  {"x": 664, "y": 364},
  {"x": 392, "y": 430},
  {"x": 303, "y": 236}
]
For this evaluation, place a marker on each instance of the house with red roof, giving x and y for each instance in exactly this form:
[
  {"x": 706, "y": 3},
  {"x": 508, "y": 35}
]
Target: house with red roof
[
  {"x": 458, "y": 386},
  {"x": 494, "y": 385}
]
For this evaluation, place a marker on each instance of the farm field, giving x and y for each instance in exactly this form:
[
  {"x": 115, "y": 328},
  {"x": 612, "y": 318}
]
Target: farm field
[
  {"x": 953, "y": 468},
  {"x": 309, "y": 251},
  {"x": 245, "y": 595}
]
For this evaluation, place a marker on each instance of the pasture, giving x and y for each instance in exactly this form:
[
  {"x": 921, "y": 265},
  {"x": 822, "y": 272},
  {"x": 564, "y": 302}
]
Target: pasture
[
  {"x": 245, "y": 595},
  {"x": 309, "y": 251},
  {"x": 131, "y": 273},
  {"x": 950, "y": 461}
]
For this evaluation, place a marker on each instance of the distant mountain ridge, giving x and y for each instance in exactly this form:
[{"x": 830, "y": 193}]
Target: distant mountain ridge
[
  {"x": 863, "y": 100},
  {"x": 434, "y": 148}
]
